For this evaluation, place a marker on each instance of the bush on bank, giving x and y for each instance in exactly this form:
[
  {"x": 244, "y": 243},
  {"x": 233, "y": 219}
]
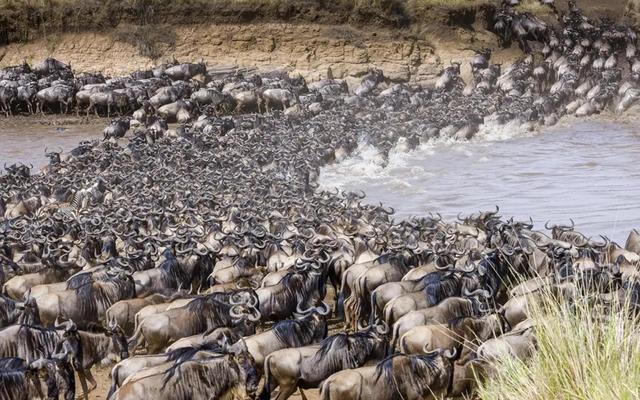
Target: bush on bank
[
  {"x": 22, "y": 20},
  {"x": 585, "y": 351}
]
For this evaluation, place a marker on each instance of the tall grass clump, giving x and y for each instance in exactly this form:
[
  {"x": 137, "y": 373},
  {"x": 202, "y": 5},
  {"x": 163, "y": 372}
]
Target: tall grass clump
[{"x": 586, "y": 350}]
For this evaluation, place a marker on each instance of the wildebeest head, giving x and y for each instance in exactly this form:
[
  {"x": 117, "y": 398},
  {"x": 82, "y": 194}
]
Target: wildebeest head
[
  {"x": 118, "y": 341},
  {"x": 248, "y": 371}
]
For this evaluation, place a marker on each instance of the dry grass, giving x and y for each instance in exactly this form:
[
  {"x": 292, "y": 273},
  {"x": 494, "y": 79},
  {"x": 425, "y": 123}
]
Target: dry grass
[
  {"x": 22, "y": 20},
  {"x": 584, "y": 353},
  {"x": 534, "y": 7}
]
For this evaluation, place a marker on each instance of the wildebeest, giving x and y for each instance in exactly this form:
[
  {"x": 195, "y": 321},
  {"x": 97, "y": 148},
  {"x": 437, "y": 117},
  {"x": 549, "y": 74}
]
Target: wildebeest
[
  {"x": 61, "y": 96},
  {"x": 195, "y": 374},
  {"x": 116, "y": 129},
  {"x": 310, "y": 327},
  {"x": 307, "y": 367},
  {"x": 202, "y": 314},
  {"x": 447, "y": 310},
  {"x": 398, "y": 376},
  {"x": 185, "y": 71},
  {"x": 88, "y": 301}
]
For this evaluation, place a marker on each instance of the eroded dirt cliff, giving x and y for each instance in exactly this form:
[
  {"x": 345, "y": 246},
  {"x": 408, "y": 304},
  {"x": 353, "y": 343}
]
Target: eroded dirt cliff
[{"x": 313, "y": 50}]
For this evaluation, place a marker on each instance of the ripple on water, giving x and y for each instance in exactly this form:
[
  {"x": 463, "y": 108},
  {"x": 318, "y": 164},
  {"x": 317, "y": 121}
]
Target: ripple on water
[{"x": 586, "y": 171}]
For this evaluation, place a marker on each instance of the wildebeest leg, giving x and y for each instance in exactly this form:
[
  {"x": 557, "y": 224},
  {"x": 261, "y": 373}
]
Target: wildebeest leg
[
  {"x": 286, "y": 392},
  {"x": 83, "y": 383},
  {"x": 108, "y": 110},
  {"x": 304, "y": 396}
]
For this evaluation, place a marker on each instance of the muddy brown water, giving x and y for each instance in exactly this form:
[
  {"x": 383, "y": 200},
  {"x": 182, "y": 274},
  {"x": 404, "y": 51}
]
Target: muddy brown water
[
  {"x": 25, "y": 139},
  {"x": 584, "y": 170}
]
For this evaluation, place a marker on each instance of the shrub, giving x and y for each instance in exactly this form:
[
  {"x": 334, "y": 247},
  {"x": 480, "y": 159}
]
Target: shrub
[{"x": 150, "y": 40}]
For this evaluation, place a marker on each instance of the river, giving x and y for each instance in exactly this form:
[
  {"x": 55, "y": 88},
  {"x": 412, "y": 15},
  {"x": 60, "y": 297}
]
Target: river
[
  {"x": 583, "y": 170},
  {"x": 25, "y": 139}
]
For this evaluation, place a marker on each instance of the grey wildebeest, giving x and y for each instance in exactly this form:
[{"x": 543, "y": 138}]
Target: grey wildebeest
[
  {"x": 386, "y": 268},
  {"x": 306, "y": 367},
  {"x": 196, "y": 374},
  {"x": 88, "y": 301},
  {"x": 109, "y": 99},
  {"x": 220, "y": 338},
  {"x": 184, "y": 72},
  {"x": 202, "y": 314},
  {"x": 44, "y": 378},
  {"x": 460, "y": 333},
  {"x": 278, "y": 98},
  {"x": 85, "y": 348},
  {"x": 447, "y": 310},
  {"x": 13, "y": 312},
  {"x": 410, "y": 377},
  {"x": 124, "y": 311},
  {"x": 116, "y": 129},
  {"x": 310, "y": 328},
  {"x": 61, "y": 96}
]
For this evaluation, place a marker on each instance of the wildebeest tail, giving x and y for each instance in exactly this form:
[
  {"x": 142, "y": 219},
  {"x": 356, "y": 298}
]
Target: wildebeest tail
[
  {"x": 266, "y": 390},
  {"x": 114, "y": 382},
  {"x": 325, "y": 391},
  {"x": 136, "y": 339},
  {"x": 373, "y": 315},
  {"x": 394, "y": 339}
]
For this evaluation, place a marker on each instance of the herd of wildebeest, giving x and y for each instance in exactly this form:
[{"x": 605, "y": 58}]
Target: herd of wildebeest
[{"x": 205, "y": 261}]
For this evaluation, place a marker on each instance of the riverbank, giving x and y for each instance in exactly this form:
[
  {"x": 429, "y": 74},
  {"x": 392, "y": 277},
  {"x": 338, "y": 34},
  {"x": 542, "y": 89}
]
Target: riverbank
[{"x": 409, "y": 41}]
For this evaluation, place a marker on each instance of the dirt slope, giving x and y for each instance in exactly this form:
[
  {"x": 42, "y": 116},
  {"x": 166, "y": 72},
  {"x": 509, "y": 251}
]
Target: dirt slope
[{"x": 308, "y": 49}]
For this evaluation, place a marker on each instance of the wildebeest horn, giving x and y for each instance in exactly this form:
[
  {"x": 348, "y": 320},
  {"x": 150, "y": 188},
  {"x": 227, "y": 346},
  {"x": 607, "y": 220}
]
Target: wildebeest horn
[
  {"x": 382, "y": 328},
  {"x": 449, "y": 353},
  {"x": 234, "y": 313},
  {"x": 300, "y": 311},
  {"x": 254, "y": 315},
  {"x": 323, "y": 309},
  {"x": 237, "y": 298},
  {"x": 468, "y": 267}
]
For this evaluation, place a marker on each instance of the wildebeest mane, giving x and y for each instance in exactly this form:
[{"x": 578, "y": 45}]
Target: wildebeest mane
[
  {"x": 7, "y": 310},
  {"x": 462, "y": 308},
  {"x": 33, "y": 342},
  {"x": 209, "y": 313},
  {"x": 344, "y": 351},
  {"x": 413, "y": 370},
  {"x": 187, "y": 353},
  {"x": 171, "y": 273},
  {"x": 93, "y": 294},
  {"x": 13, "y": 384},
  {"x": 294, "y": 332},
  {"x": 440, "y": 285},
  {"x": 12, "y": 363},
  {"x": 208, "y": 377}
]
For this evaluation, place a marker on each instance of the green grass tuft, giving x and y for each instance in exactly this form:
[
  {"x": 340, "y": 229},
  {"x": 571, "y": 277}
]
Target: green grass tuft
[{"x": 585, "y": 352}]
